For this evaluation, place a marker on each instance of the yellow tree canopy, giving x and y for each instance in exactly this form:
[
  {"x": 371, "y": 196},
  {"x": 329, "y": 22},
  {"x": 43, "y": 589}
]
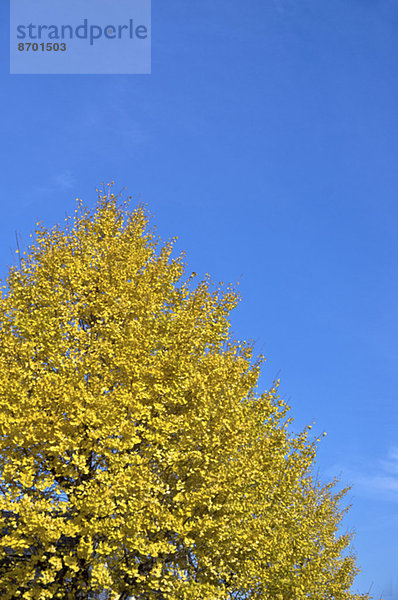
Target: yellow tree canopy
[{"x": 137, "y": 459}]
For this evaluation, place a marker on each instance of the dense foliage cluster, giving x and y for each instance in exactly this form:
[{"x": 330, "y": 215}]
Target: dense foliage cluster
[{"x": 136, "y": 457}]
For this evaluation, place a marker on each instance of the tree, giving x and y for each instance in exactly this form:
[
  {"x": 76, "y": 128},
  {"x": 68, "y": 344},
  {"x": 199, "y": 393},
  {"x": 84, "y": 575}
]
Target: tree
[{"x": 136, "y": 457}]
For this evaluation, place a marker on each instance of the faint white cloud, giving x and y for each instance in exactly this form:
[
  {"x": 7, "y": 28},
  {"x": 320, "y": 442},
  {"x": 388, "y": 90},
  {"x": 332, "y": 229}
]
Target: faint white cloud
[
  {"x": 286, "y": 7},
  {"x": 378, "y": 478},
  {"x": 385, "y": 475},
  {"x": 115, "y": 119},
  {"x": 279, "y": 5},
  {"x": 391, "y": 464},
  {"x": 59, "y": 181},
  {"x": 65, "y": 180},
  {"x": 379, "y": 483}
]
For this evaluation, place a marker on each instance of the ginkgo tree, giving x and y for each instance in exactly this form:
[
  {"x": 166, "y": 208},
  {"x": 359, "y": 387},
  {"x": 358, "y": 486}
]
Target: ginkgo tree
[{"x": 137, "y": 458}]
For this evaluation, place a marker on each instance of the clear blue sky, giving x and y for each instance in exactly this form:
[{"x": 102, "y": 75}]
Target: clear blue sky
[{"x": 266, "y": 139}]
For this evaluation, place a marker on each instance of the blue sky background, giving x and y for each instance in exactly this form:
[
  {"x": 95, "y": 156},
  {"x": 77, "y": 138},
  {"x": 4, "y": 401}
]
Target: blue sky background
[{"x": 266, "y": 139}]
